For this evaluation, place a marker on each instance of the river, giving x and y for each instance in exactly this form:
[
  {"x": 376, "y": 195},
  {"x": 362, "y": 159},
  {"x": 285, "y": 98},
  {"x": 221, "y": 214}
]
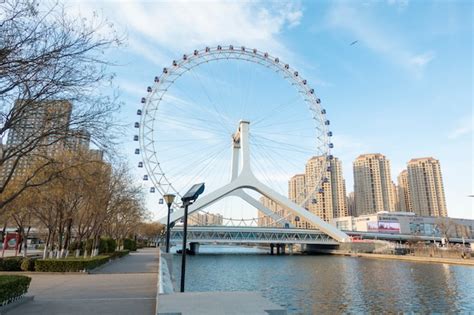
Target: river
[{"x": 310, "y": 284}]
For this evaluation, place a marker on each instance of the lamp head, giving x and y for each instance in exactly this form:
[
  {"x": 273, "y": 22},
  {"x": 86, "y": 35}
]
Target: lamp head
[
  {"x": 169, "y": 198},
  {"x": 193, "y": 193}
]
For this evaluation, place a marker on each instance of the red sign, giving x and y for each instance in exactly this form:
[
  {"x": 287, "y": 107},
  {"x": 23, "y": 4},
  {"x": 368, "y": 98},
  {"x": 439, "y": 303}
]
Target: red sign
[{"x": 11, "y": 241}]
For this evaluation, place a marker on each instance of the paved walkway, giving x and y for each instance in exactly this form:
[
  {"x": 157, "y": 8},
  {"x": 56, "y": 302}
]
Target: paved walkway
[{"x": 125, "y": 286}]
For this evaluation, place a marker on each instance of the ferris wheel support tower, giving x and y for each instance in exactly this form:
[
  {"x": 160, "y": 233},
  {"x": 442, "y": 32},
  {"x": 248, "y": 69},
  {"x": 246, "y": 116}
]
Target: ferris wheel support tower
[{"x": 246, "y": 179}]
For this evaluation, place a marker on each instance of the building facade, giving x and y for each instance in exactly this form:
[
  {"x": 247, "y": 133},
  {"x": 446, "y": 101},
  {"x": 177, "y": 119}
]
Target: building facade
[
  {"x": 426, "y": 187},
  {"x": 202, "y": 218},
  {"x": 351, "y": 204},
  {"x": 46, "y": 124},
  {"x": 264, "y": 220},
  {"x": 373, "y": 188},
  {"x": 320, "y": 202},
  {"x": 407, "y": 223},
  {"x": 338, "y": 188},
  {"x": 404, "y": 196}
]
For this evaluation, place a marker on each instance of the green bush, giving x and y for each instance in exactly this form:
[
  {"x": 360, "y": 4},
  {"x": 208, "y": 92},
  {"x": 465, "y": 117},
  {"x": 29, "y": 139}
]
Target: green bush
[
  {"x": 70, "y": 264},
  {"x": 111, "y": 245},
  {"x": 11, "y": 264},
  {"x": 130, "y": 244},
  {"x": 103, "y": 246},
  {"x": 88, "y": 246},
  {"x": 28, "y": 264},
  {"x": 12, "y": 287}
]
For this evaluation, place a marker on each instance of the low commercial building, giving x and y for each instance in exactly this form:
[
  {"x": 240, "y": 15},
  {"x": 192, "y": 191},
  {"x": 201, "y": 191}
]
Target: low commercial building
[{"x": 406, "y": 223}]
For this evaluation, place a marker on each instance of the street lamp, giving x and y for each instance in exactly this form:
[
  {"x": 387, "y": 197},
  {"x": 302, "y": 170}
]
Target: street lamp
[
  {"x": 188, "y": 199},
  {"x": 169, "y": 198}
]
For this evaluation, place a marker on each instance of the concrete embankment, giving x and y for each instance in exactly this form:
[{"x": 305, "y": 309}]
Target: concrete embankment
[{"x": 452, "y": 261}]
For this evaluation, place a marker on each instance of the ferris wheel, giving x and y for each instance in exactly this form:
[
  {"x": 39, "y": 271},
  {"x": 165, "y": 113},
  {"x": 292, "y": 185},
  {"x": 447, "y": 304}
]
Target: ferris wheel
[{"x": 192, "y": 111}]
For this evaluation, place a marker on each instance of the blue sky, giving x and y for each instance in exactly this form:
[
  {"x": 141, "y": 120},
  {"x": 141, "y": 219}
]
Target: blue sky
[{"x": 403, "y": 90}]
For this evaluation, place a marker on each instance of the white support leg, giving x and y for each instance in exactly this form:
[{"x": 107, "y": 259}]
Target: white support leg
[{"x": 246, "y": 179}]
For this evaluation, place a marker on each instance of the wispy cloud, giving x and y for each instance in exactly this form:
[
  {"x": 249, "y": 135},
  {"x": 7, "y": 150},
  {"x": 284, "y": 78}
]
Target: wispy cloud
[
  {"x": 464, "y": 127},
  {"x": 179, "y": 26},
  {"x": 374, "y": 36}
]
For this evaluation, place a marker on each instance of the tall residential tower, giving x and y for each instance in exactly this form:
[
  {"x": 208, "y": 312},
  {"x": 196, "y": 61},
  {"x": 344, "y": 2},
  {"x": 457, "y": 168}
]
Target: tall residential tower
[
  {"x": 426, "y": 187},
  {"x": 373, "y": 187}
]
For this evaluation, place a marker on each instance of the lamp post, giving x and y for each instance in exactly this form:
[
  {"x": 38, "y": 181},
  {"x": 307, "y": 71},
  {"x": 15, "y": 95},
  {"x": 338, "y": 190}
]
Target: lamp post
[
  {"x": 188, "y": 199},
  {"x": 169, "y": 198}
]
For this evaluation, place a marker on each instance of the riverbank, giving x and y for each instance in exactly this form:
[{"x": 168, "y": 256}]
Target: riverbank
[{"x": 452, "y": 261}]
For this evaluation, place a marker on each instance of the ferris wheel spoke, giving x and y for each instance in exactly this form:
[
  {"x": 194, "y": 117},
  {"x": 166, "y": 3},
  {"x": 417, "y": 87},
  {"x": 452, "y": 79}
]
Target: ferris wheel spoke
[
  {"x": 279, "y": 109},
  {"x": 192, "y": 166},
  {"x": 216, "y": 116},
  {"x": 220, "y": 116}
]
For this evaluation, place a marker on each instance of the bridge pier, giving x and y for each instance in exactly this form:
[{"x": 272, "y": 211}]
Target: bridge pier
[
  {"x": 278, "y": 248},
  {"x": 194, "y": 248},
  {"x": 271, "y": 248},
  {"x": 283, "y": 246}
]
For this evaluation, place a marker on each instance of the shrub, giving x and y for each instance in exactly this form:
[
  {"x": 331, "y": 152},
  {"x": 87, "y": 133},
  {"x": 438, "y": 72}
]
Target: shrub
[
  {"x": 12, "y": 287},
  {"x": 130, "y": 244},
  {"x": 28, "y": 264},
  {"x": 11, "y": 264},
  {"x": 70, "y": 264},
  {"x": 103, "y": 246},
  {"x": 111, "y": 245},
  {"x": 88, "y": 246}
]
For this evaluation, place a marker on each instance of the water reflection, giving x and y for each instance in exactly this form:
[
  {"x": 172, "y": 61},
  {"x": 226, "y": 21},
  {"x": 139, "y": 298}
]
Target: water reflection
[{"x": 330, "y": 284}]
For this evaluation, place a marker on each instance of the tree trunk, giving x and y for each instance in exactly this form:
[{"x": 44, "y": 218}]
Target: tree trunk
[
  {"x": 46, "y": 245},
  {"x": 25, "y": 240}
]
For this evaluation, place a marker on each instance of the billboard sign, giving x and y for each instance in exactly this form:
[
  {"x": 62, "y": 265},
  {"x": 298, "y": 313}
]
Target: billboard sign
[
  {"x": 383, "y": 227},
  {"x": 389, "y": 227}
]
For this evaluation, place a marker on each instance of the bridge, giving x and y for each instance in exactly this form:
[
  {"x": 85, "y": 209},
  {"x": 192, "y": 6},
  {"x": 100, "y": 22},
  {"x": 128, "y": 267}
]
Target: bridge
[
  {"x": 280, "y": 236},
  {"x": 250, "y": 235}
]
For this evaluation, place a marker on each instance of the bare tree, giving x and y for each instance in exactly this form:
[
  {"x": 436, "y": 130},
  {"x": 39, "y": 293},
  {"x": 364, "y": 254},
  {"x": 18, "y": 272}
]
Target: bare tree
[{"x": 46, "y": 56}]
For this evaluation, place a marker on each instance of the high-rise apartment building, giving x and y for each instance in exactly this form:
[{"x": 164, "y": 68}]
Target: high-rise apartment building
[
  {"x": 205, "y": 219},
  {"x": 373, "y": 186},
  {"x": 297, "y": 194},
  {"x": 321, "y": 202},
  {"x": 351, "y": 204},
  {"x": 338, "y": 188},
  {"x": 45, "y": 127},
  {"x": 263, "y": 219},
  {"x": 404, "y": 196},
  {"x": 297, "y": 188},
  {"x": 325, "y": 183},
  {"x": 78, "y": 140},
  {"x": 44, "y": 123},
  {"x": 426, "y": 187}
]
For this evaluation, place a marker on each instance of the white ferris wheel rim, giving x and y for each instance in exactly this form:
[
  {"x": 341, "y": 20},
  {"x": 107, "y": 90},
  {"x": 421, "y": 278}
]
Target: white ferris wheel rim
[{"x": 162, "y": 83}]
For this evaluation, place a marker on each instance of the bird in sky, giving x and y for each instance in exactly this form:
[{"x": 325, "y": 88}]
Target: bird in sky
[{"x": 354, "y": 42}]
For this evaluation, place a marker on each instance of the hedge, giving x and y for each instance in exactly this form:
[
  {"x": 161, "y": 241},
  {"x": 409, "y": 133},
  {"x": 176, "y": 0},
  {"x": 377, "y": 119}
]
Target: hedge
[
  {"x": 28, "y": 264},
  {"x": 70, "y": 264},
  {"x": 130, "y": 244},
  {"x": 11, "y": 264},
  {"x": 12, "y": 288}
]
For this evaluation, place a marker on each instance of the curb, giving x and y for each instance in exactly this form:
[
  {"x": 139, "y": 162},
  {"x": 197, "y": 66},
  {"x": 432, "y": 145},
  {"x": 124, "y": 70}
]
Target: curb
[{"x": 6, "y": 308}]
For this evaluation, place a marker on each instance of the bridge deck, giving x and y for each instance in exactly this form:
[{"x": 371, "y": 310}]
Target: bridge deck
[{"x": 254, "y": 235}]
